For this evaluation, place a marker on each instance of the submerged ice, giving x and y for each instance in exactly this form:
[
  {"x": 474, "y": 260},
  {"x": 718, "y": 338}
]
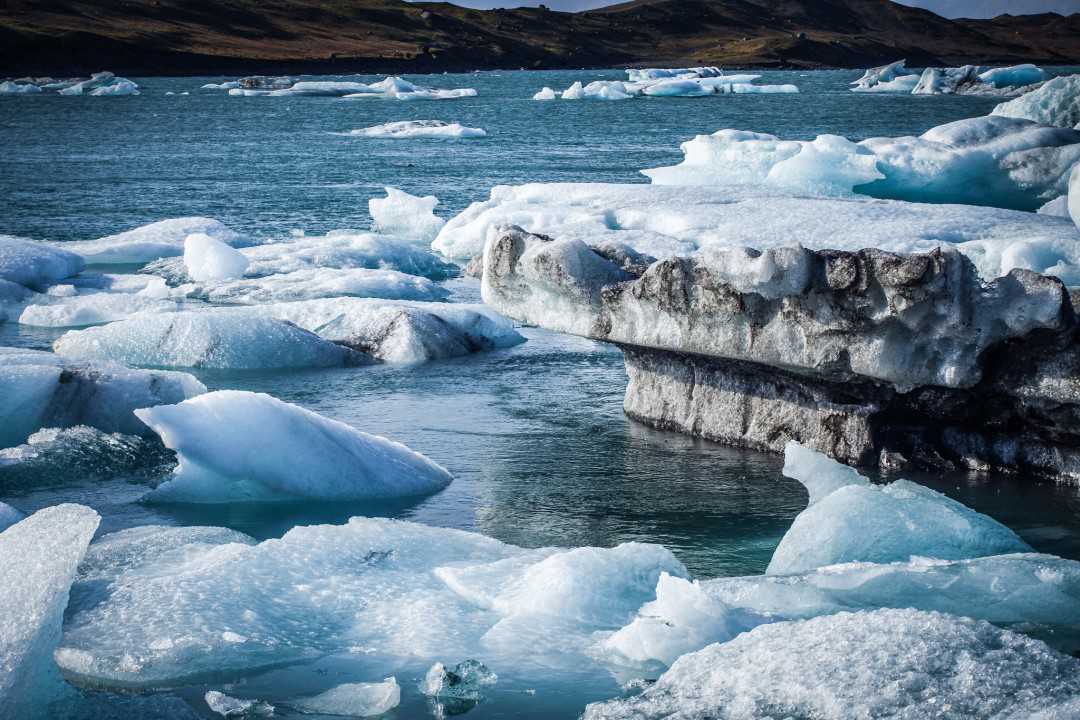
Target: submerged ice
[{"x": 236, "y": 446}]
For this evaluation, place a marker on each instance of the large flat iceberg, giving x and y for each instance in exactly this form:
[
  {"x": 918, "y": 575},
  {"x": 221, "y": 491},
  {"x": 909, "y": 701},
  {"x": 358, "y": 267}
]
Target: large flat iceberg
[
  {"x": 35, "y": 265},
  {"x": 164, "y": 238},
  {"x": 38, "y": 560},
  {"x": 404, "y": 129},
  {"x": 885, "y": 663},
  {"x": 238, "y": 446},
  {"x": 314, "y": 283}
]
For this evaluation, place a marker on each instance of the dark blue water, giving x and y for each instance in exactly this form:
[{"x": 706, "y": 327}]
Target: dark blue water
[{"x": 535, "y": 436}]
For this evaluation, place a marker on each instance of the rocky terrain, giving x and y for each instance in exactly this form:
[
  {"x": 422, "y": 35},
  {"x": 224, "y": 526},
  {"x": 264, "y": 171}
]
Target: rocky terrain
[{"x": 328, "y": 36}]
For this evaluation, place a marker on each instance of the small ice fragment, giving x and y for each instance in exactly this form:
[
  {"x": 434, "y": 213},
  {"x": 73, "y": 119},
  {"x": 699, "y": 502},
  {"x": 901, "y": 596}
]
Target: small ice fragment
[
  {"x": 230, "y": 707},
  {"x": 207, "y": 258},
  {"x": 354, "y": 699}
]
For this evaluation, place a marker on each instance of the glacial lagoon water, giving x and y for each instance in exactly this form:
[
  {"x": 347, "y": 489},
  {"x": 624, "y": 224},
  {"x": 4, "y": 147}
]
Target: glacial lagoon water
[{"x": 534, "y": 435}]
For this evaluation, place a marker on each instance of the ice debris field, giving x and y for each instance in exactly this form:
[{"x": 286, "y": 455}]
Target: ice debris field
[{"x": 167, "y": 341}]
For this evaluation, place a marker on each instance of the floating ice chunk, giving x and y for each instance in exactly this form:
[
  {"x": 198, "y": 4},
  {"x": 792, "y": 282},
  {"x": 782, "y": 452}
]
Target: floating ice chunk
[
  {"x": 333, "y": 88},
  {"x": 13, "y": 88},
  {"x": 97, "y": 80},
  {"x": 1074, "y": 195},
  {"x": 645, "y": 74},
  {"x": 466, "y": 681},
  {"x": 38, "y": 560},
  {"x": 574, "y": 92},
  {"x": 227, "y": 85},
  {"x": 313, "y": 283},
  {"x": 886, "y": 663},
  {"x": 119, "y": 87},
  {"x": 682, "y": 619},
  {"x": 40, "y": 389},
  {"x": 748, "y": 89},
  {"x": 289, "y": 453},
  {"x": 207, "y": 258},
  {"x": 859, "y": 522},
  {"x": 667, "y": 221},
  {"x": 1014, "y": 76},
  {"x": 401, "y": 332},
  {"x": 545, "y": 93},
  {"x": 205, "y": 339},
  {"x": 406, "y": 216},
  {"x": 947, "y": 81},
  {"x": 35, "y": 265},
  {"x": 1056, "y": 103},
  {"x": 420, "y": 129},
  {"x": 324, "y": 589},
  {"x": 92, "y": 306},
  {"x": 230, "y": 707},
  {"x": 893, "y": 77},
  {"x": 678, "y": 88},
  {"x": 8, "y": 515},
  {"x": 150, "y": 242},
  {"x": 354, "y": 699}
]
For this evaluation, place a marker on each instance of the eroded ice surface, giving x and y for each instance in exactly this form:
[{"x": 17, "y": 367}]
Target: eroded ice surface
[
  {"x": 205, "y": 339},
  {"x": 164, "y": 238},
  {"x": 406, "y": 216},
  {"x": 853, "y": 521},
  {"x": 227, "y": 608},
  {"x": 891, "y": 78},
  {"x": 354, "y": 699},
  {"x": 231, "y": 707},
  {"x": 1056, "y": 103},
  {"x": 404, "y": 129},
  {"x": 666, "y": 221},
  {"x": 40, "y": 389},
  {"x": 38, "y": 560},
  {"x": 90, "y": 300},
  {"x": 236, "y": 446},
  {"x": 885, "y": 663},
  {"x": 35, "y": 265},
  {"x": 991, "y": 160}
]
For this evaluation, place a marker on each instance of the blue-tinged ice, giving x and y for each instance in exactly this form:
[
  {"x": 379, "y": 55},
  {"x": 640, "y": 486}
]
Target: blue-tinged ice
[
  {"x": 34, "y": 265},
  {"x": 353, "y": 699},
  {"x": 38, "y": 560},
  {"x": 288, "y": 453},
  {"x": 140, "y": 245},
  {"x": 1056, "y": 103},
  {"x": 406, "y": 216}
]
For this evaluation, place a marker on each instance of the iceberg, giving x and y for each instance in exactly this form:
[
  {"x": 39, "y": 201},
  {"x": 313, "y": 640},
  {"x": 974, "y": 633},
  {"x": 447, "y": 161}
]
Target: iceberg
[
  {"x": 38, "y": 560},
  {"x": 354, "y": 699},
  {"x": 884, "y": 663},
  {"x": 160, "y": 239},
  {"x": 1014, "y": 76},
  {"x": 208, "y": 258},
  {"x": 13, "y": 88},
  {"x": 91, "y": 305},
  {"x": 1056, "y": 103},
  {"x": 404, "y": 129},
  {"x": 314, "y": 283},
  {"x": 230, "y": 707},
  {"x": 1074, "y": 195},
  {"x": 39, "y": 389},
  {"x": 850, "y": 520},
  {"x": 119, "y": 87},
  {"x": 289, "y": 454},
  {"x": 646, "y": 74},
  {"x": 992, "y": 160},
  {"x": 465, "y": 681},
  {"x": 332, "y": 88},
  {"x": 678, "y": 88},
  {"x": 574, "y": 92},
  {"x": 226, "y": 85},
  {"x": 545, "y": 93},
  {"x": 318, "y": 590},
  {"x": 891, "y": 78},
  {"x": 35, "y": 265},
  {"x": 208, "y": 339},
  {"x": 406, "y": 216},
  {"x": 401, "y": 332},
  {"x": 669, "y": 221},
  {"x": 948, "y": 81}
]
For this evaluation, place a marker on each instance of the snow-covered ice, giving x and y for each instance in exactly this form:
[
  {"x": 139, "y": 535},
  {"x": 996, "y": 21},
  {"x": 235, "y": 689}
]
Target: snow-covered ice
[
  {"x": 884, "y": 663},
  {"x": 92, "y": 299},
  {"x": 545, "y": 93},
  {"x": 313, "y": 283},
  {"x": 101, "y": 84},
  {"x": 13, "y": 88},
  {"x": 406, "y": 216},
  {"x": 35, "y": 265},
  {"x": 1013, "y": 76},
  {"x": 39, "y": 389},
  {"x": 8, "y": 515},
  {"x": 38, "y": 560},
  {"x": 891, "y": 78},
  {"x": 1056, "y": 103},
  {"x": 990, "y": 160},
  {"x": 218, "y": 339},
  {"x": 403, "y": 129},
  {"x": 140, "y": 245},
  {"x": 371, "y": 583},
  {"x": 354, "y": 699},
  {"x": 207, "y": 258},
  {"x": 666, "y": 221},
  {"x": 851, "y": 520},
  {"x": 289, "y": 454}
]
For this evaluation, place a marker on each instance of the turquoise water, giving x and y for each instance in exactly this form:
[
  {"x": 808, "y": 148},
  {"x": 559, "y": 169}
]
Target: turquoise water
[{"x": 535, "y": 435}]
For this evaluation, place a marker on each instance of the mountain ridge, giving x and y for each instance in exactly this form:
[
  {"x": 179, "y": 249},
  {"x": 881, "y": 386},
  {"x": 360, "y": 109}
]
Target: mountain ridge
[{"x": 190, "y": 37}]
